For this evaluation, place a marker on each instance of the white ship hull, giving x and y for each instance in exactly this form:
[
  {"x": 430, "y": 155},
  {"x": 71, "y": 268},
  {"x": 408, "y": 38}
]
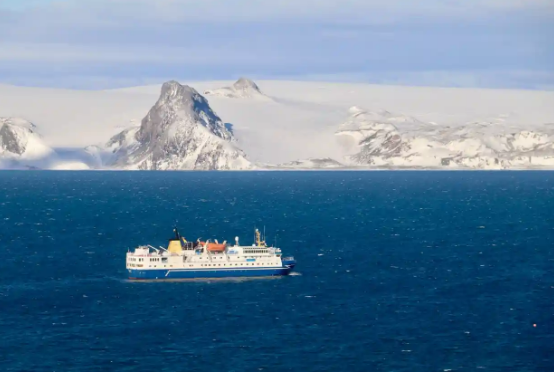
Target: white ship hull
[{"x": 185, "y": 260}]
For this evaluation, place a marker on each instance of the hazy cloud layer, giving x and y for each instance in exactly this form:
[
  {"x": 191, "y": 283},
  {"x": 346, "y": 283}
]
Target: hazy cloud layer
[{"x": 504, "y": 42}]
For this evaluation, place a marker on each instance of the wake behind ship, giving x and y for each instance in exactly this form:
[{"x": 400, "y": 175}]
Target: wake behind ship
[{"x": 189, "y": 260}]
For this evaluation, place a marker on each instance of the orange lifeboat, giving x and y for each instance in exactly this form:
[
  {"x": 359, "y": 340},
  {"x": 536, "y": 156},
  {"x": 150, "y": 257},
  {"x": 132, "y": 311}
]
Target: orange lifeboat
[{"x": 215, "y": 247}]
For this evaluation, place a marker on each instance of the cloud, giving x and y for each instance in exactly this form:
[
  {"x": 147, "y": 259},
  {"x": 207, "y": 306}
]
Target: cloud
[
  {"x": 98, "y": 54},
  {"x": 144, "y": 39},
  {"x": 102, "y": 12}
]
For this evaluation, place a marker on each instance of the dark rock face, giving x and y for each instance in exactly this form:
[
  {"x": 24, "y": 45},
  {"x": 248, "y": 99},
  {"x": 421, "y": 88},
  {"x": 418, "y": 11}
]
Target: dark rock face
[
  {"x": 14, "y": 135},
  {"x": 9, "y": 141},
  {"x": 180, "y": 100},
  {"x": 180, "y": 131}
]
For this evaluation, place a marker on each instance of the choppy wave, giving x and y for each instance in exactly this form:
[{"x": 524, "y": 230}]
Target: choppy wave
[{"x": 407, "y": 280}]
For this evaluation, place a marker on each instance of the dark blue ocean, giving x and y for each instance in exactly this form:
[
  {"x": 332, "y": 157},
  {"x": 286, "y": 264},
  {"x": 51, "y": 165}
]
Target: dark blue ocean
[{"x": 397, "y": 271}]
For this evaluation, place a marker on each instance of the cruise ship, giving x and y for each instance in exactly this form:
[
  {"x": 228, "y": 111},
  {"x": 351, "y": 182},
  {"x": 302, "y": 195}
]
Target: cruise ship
[{"x": 205, "y": 259}]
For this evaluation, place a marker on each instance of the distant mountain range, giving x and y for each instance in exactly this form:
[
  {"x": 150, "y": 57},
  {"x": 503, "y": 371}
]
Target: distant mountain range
[
  {"x": 476, "y": 145},
  {"x": 182, "y": 132}
]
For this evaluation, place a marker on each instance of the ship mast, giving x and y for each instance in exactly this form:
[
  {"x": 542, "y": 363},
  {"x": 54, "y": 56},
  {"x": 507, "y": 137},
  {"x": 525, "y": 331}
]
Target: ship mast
[{"x": 259, "y": 241}]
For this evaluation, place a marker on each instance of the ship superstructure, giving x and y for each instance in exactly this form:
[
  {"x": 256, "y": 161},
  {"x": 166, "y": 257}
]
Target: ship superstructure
[{"x": 205, "y": 259}]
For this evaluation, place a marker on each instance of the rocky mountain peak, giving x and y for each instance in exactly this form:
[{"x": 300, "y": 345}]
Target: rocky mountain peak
[
  {"x": 14, "y": 134},
  {"x": 180, "y": 131},
  {"x": 180, "y": 106},
  {"x": 243, "y": 88},
  {"x": 246, "y": 84},
  {"x": 173, "y": 89}
]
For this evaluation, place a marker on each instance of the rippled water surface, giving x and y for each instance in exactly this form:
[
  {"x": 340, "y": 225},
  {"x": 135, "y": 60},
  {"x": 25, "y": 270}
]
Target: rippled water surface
[{"x": 397, "y": 271}]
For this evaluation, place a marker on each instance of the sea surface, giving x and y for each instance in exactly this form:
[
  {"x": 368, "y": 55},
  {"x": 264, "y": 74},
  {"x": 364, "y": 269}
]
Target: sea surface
[{"x": 397, "y": 271}]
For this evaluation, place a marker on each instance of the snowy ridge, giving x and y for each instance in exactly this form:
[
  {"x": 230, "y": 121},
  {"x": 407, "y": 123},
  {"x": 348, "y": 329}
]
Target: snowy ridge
[
  {"x": 179, "y": 132},
  {"x": 21, "y": 147},
  {"x": 377, "y": 142},
  {"x": 18, "y": 137},
  {"x": 243, "y": 88}
]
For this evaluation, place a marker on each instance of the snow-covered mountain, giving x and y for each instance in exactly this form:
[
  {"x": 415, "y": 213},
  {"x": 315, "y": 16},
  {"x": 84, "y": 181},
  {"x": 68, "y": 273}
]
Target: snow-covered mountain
[
  {"x": 243, "y": 88},
  {"x": 377, "y": 142},
  {"x": 179, "y": 132},
  {"x": 21, "y": 146},
  {"x": 438, "y": 127}
]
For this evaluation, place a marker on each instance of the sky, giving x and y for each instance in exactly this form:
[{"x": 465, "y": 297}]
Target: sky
[{"x": 100, "y": 44}]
